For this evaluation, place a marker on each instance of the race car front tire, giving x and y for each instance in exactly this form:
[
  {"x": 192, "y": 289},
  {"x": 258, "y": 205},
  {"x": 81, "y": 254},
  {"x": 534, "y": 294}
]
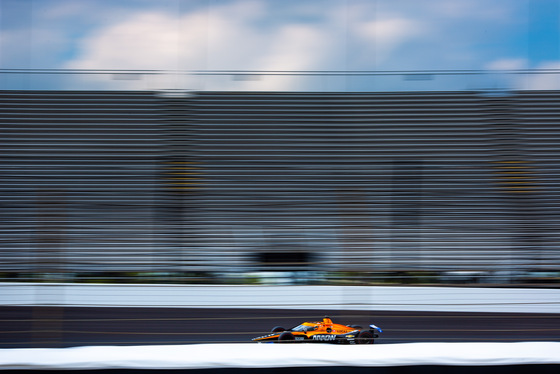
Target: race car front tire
[
  {"x": 286, "y": 337},
  {"x": 365, "y": 337}
]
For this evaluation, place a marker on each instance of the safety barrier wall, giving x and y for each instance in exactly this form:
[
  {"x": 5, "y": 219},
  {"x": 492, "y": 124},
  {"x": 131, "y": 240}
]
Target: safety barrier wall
[
  {"x": 441, "y": 299},
  {"x": 283, "y": 356}
]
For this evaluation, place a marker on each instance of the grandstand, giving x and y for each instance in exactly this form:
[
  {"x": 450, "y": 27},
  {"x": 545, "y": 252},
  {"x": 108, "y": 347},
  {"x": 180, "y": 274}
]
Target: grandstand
[{"x": 324, "y": 186}]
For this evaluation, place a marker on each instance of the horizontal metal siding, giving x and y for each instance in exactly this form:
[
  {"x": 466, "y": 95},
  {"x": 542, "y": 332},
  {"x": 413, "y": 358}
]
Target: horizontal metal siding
[
  {"x": 78, "y": 181},
  {"x": 539, "y": 118},
  {"x": 122, "y": 181},
  {"x": 364, "y": 181}
]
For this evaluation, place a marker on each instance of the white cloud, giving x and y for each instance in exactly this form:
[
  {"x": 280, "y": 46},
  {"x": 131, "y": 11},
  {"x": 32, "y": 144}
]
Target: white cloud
[
  {"x": 506, "y": 74},
  {"x": 507, "y": 64},
  {"x": 145, "y": 41},
  {"x": 149, "y": 41},
  {"x": 241, "y": 35},
  {"x": 386, "y": 34},
  {"x": 550, "y": 81},
  {"x": 294, "y": 35}
]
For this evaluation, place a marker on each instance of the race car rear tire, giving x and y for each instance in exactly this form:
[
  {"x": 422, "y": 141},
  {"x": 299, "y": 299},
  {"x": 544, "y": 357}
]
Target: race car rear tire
[
  {"x": 286, "y": 337},
  {"x": 277, "y": 329},
  {"x": 365, "y": 337}
]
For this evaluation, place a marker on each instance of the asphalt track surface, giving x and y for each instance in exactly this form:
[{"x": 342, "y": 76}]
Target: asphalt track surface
[{"x": 24, "y": 327}]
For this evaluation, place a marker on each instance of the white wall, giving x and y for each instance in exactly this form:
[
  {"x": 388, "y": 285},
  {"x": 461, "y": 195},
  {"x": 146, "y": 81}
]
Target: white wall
[
  {"x": 444, "y": 299},
  {"x": 266, "y": 356}
]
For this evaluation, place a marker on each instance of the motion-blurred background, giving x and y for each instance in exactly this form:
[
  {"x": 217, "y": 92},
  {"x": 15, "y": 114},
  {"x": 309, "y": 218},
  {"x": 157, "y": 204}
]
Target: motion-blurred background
[{"x": 348, "y": 143}]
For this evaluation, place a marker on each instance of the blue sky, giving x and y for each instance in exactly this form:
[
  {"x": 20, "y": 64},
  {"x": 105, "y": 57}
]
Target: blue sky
[{"x": 346, "y": 35}]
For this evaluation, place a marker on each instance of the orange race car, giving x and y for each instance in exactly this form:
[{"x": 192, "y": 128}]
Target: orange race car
[{"x": 322, "y": 332}]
